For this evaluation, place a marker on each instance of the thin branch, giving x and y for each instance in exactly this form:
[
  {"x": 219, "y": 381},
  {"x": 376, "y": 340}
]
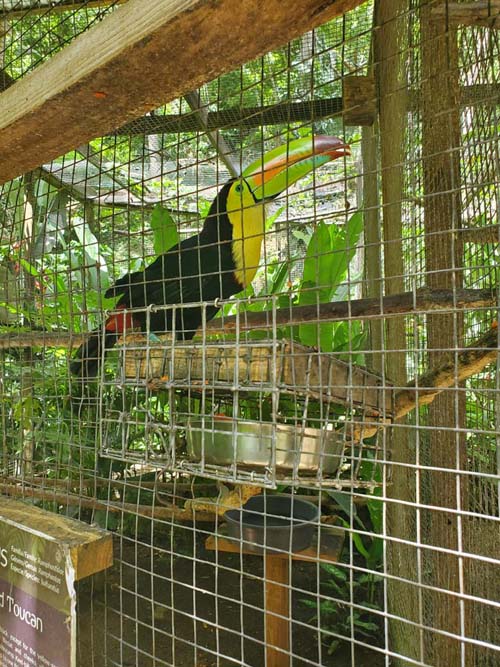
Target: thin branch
[
  {"x": 163, "y": 512},
  {"x": 420, "y": 302},
  {"x": 406, "y": 303},
  {"x": 422, "y": 391}
]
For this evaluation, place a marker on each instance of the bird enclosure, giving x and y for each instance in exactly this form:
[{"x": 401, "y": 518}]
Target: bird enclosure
[{"x": 249, "y": 261}]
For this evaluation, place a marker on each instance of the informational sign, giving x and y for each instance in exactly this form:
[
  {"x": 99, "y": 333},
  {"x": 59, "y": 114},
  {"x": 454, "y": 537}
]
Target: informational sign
[{"x": 37, "y": 596}]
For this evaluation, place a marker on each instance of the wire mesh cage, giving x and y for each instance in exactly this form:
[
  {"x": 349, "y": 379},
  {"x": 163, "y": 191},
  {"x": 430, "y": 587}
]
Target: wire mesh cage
[{"x": 250, "y": 326}]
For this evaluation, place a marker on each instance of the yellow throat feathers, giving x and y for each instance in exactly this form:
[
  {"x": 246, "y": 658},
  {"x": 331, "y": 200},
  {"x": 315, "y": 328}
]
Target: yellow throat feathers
[{"x": 248, "y": 222}]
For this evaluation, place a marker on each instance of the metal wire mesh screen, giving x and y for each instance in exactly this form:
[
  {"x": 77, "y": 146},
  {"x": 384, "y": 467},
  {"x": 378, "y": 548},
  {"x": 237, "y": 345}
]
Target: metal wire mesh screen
[{"x": 172, "y": 350}]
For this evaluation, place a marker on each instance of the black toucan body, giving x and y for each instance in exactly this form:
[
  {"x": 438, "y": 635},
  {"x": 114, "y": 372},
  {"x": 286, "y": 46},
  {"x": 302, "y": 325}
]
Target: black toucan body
[{"x": 215, "y": 264}]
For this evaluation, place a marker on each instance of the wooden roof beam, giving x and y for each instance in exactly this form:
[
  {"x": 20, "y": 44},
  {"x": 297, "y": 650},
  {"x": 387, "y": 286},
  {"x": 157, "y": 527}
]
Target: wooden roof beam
[{"x": 136, "y": 59}]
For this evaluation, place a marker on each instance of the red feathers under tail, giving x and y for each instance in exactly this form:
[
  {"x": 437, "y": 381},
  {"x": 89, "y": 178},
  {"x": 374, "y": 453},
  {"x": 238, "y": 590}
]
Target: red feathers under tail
[{"x": 87, "y": 360}]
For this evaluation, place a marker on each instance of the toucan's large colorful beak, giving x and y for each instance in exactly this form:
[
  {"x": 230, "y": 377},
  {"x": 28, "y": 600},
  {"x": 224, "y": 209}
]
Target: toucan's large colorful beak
[{"x": 281, "y": 167}]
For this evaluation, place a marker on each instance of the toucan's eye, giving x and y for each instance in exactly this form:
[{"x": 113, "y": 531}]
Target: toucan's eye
[{"x": 238, "y": 188}]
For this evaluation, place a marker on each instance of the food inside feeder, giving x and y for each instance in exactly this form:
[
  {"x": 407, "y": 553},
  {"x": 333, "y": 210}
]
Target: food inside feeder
[
  {"x": 224, "y": 441},
  {"x": 280, "y": 522}
]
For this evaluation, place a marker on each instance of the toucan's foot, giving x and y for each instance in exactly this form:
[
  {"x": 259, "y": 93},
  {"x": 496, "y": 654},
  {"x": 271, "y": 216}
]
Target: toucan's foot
[{"x": 226, "y": 499}]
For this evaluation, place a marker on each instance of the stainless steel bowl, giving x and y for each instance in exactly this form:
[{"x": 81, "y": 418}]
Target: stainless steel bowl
[{"x": 224, "y": 441}]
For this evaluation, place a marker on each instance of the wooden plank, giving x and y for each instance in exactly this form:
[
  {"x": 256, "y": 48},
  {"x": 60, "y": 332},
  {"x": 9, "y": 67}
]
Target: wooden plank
[
  {"x": 137, "y": 58},
  {"x": 329, "y": 551},
  {"x": 90, "y": 548}
]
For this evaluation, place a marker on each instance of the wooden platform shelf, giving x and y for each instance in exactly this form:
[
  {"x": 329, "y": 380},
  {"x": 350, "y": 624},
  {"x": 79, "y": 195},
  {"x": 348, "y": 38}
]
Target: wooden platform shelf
[
  {"x": 89, "y": 548},
  {"x": 294, "y": 368},
  {"x": 277, "y": 583}
]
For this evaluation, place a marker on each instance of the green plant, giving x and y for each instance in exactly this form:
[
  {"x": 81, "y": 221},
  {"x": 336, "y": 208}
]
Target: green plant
[{"x": 346, "y": 612}]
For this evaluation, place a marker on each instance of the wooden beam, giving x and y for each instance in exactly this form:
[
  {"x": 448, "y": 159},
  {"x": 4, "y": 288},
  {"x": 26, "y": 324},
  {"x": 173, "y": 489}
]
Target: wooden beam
[
  {"x": 483, "y": 13},
  {"x": 136, "y": 59},
  {"x": 290, "y": 112},
  {"x": 242, "y": 117}
]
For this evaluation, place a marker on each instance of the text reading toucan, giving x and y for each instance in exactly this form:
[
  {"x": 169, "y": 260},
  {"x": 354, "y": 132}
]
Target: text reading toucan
[{"x": 216, "y": 263}]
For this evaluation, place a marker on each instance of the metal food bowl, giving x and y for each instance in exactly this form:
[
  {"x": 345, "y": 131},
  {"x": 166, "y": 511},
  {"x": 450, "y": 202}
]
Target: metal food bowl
[
  {"x": 279, "y": 522},
  {"x": 224, "y": 441}
]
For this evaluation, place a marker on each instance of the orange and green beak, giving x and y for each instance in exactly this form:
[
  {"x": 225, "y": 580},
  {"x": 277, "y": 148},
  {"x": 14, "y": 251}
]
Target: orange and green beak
[{"x": 281, "y": 167}]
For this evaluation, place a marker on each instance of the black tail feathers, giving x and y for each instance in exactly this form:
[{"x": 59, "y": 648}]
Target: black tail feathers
[{"x": 88, "y": 357}]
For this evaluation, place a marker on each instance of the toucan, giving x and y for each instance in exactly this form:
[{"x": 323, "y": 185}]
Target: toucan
[{"x": 215, "y": 264}]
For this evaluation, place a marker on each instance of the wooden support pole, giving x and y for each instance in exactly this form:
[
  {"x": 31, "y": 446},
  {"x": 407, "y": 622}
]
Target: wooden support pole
[
  {"x": 390, "y": 61},
  {"x": 277, "y": 611},
  {"x": 446, "y": 488},
  {"x": 136, "y": 59}
]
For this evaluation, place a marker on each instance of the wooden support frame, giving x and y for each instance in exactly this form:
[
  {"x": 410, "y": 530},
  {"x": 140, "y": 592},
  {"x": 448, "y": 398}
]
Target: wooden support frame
[{"x": 98, "y": 82}]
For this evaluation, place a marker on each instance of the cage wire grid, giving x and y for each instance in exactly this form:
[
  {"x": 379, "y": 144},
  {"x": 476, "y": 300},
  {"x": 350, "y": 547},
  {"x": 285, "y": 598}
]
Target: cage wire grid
[{"x": 403, "y": 566}]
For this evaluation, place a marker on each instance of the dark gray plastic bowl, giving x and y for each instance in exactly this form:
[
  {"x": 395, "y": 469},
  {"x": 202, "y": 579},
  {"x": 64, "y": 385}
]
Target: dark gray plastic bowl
[{"x": 279, "y": 522}]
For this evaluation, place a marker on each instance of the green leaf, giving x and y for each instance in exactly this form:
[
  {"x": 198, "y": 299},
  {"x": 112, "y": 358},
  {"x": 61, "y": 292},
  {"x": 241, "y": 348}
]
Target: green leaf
[
  {"x": 334, "y": 571},
  {"x": 343, "y": 500},
  {"x": 165, "y": 234},
  {"x": 366, "y": 625},
  {"x": 333, "y": 646},
  {"x": 317, "y": 263},
  {"x": 279, "y": 278},
  {"x": 329, "y": 253},
  {"x": 29, "y": 268},
  {"x": 344, "y": 242},
  {"x": 375, "y": 509}
]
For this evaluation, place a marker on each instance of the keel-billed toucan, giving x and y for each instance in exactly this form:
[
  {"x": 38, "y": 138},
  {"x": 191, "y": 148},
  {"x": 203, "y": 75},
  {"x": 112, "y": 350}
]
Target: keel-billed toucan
[{"x": 217, "y": 263}]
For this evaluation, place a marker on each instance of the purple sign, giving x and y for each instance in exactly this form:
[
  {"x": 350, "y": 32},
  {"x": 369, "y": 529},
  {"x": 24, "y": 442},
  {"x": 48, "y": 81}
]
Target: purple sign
[{"x": 37, "y": 600}]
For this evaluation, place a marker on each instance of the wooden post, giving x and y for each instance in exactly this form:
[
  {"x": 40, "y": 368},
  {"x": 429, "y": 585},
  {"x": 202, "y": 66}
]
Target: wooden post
[
  {"x": 444, "y": 262},
  {"x": 390, "y": 54},
  {"x": 277, "y": 611}
]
